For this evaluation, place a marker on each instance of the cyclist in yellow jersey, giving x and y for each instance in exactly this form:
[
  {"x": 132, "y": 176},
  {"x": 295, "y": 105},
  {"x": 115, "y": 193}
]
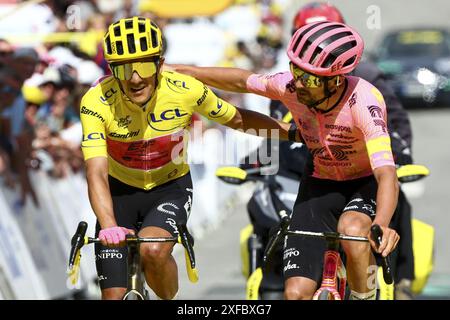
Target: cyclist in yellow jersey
[{"x": 134, "y": 146}]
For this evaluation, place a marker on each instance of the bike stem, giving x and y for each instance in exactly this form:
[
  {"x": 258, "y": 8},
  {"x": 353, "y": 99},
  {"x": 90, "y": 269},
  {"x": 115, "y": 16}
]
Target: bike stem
[{"x": 134, "y": 264}]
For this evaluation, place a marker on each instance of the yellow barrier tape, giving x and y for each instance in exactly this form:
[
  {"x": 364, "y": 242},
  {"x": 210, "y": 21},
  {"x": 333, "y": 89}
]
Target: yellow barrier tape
[
  {"x": 87, "y": 41},
  {"x": 184, "y": 8}
]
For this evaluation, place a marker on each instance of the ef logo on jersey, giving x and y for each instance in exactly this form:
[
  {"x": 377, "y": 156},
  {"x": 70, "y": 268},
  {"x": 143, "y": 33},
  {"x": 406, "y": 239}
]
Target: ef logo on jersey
[{"x": 166, "y": 120}]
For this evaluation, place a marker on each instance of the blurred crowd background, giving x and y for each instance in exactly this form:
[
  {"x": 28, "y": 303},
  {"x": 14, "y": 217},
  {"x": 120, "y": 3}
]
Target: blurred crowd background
[{"x": 51, "y": 52}]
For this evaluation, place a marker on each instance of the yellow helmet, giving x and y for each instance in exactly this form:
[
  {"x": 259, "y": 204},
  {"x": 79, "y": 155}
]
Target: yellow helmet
[{"x": 132, "y": 38}]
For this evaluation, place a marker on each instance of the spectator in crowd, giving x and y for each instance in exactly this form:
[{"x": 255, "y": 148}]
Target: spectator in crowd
[{"x": 22, "y": 65}]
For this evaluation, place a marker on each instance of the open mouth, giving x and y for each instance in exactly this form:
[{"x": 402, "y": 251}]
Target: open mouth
[{"x": 137, "y": 90}]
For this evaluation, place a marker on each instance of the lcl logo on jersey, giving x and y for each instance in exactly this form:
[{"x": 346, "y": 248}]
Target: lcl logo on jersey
[
  {"x": 160, "y": 121},
  {"x": 93, "y": 136},
  {"x": 107, "y": 95},
  {"x": 220, "y": 110},
  {"x": 177, "y": 86}
]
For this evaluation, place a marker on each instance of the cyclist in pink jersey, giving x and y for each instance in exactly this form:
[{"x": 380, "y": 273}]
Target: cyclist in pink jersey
[{"x": 352, "y": 182}]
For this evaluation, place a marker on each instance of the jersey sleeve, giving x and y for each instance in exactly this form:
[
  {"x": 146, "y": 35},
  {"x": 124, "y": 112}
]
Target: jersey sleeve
[
  {"x": 94, "y": 130},
  {"x": 210, "y": 106},
  {"x": 370, "y": 117},
  {"x": 271, "y": 86}
]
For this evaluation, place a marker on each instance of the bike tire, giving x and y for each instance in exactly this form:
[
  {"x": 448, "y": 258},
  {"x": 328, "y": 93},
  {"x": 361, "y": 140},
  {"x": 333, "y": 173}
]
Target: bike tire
[
  {"x": 272, "y": 295},
  {"x": 325, "y": 295},
  {"x": 133, "y": 296}
]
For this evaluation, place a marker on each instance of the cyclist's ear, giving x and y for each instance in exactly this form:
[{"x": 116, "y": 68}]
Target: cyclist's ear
[
  {"x": 161, "y": 64},
  {"x": 335, "y": 82}
]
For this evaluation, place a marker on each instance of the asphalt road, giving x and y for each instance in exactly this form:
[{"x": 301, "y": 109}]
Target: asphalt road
[{"x": 218, "y": 255}]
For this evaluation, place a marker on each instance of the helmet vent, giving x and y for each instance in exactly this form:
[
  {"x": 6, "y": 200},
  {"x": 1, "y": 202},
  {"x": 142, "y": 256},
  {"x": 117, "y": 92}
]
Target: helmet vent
[
  {"x": 119, "y": 47},
  {"x": 337, "y": 52},
  {"x": 315, "y": 54},
  {"x": 333, "y": 38},
  {"x": 141, "y": 27},
  {"x": 303, "y": 33},
  {"x": 108, "y": 45},
  {"x": 350, "y": 61},
  {"x": 117, "y": 31},
  {"x": 143, "y": 43},
  {"x": 130, "y": 42},
  {"x": 129, "y": 24},
  {"x": 316, "y": 35},
  {"x": 154, "y": 37}
]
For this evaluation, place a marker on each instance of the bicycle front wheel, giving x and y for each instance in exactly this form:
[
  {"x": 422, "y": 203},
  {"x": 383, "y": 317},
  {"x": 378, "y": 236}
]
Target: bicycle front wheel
[
  {"x": 133, "y": 295},
  {"x": 325, "y": 295}
]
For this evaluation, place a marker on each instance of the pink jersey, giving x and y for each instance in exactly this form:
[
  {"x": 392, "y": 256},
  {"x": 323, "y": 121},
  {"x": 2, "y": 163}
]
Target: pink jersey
[{"x": 348, "y": 141}]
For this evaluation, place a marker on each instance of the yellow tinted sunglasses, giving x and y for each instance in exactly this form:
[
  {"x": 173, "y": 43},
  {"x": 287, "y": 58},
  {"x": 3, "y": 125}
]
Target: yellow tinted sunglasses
[
  {"x": 125, "y": 71},
  {"x": 308, "y": 80}
]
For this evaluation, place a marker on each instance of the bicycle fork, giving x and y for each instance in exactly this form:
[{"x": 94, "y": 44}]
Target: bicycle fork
[{"x": 135, "y": 289}]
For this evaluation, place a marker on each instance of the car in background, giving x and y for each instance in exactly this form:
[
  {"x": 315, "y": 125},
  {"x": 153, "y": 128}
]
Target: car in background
[{"x": 417, "y": 62}]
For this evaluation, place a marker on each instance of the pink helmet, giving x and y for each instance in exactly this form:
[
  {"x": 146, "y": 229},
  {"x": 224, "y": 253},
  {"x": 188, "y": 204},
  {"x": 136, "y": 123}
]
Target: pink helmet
[{"x": 326, "y": 48}]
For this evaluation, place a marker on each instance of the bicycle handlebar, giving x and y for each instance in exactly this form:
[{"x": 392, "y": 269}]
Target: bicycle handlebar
[
  {"x": 134, "y": 239},
  {"x": 376, "y": 232},
  {"x": 79, "y": 239},
  {"x": 77, "y": 242},
  {"x": 377, "y": 236}
]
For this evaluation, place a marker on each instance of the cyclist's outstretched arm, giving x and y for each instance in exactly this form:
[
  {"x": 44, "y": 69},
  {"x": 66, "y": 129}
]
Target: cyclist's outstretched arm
[
  {"x": 254, "y": 123},
  {"x": 228, "y": 79}
]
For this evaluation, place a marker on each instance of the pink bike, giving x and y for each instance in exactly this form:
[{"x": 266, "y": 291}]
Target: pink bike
[{"x": 334, "y": 278}]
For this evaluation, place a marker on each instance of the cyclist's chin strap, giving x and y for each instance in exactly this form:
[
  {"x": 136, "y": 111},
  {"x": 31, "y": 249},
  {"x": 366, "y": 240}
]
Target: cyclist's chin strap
[{"x": 326, "y": 91}]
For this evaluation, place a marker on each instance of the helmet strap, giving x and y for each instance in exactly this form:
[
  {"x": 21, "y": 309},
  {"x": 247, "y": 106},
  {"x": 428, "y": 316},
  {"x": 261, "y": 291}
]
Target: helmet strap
[{"x": 326, "y": 91}]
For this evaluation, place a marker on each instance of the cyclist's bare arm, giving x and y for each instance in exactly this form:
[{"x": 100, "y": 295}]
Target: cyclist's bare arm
[
  {"x": 387, "y": 195},
  {"x": 228, "y": 79},
  {"x": 98, "y": 189},
  {"x": 254, "y": 123}
]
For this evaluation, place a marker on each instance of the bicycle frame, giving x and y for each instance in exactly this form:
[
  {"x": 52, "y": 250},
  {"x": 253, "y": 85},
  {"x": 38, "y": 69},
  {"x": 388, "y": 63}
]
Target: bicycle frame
[
  {"x": 135, "y": 276},
  {"x": 333, "y": 269},
  {"x": 135, "y": 281}
]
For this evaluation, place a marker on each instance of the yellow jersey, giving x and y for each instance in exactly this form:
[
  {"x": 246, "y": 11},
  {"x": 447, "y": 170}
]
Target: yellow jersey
[{"x": 146, "y": 145}]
